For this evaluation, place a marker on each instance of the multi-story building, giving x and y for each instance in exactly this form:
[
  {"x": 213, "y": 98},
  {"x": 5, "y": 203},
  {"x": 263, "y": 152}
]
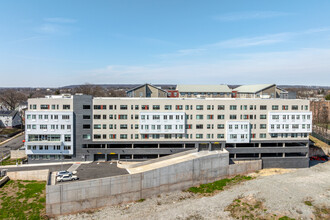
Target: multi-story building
[
  {"x": 83, "y": 128},
  {"x": 203, "y": 91}
]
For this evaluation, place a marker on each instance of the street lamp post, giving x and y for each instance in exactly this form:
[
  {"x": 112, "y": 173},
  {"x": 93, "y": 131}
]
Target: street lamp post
[{"x": 61, "y": 160}]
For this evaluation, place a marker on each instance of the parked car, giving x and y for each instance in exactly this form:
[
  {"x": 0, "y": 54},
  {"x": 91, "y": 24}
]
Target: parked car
[
  {"x": 63, "y": 172},
  {"x": 66, "y": 177}
]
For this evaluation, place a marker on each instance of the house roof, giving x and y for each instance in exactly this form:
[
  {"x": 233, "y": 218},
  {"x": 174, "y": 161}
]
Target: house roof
[
  {"x": 8, "y": 113},
  {"x": 146, "y": 84},
  {"x": 203, "y": 88},
  {"x": 253, "y": 88}
]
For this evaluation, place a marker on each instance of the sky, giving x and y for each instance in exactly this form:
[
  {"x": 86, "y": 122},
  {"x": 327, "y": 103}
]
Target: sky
[{"x": 50, "y": 43}]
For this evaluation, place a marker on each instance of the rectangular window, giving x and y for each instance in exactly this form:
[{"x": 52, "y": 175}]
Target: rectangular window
[
  {"x": 233, "y": 107},
  {"x": 274, "y": 107},
  {"x": 294, "y": 107},
  {"x": 66, "y": 107},
  {"x": 263, "y": 107},
  {"x": 199, "y": 126},
  {"x": 97, "y": 126},
  {"x": 210, "y": 116},
  {"x": 285, "y": 107},
  {"x": 178, "y": 107},
  {"x": 123, "y": 107},
  {"x": 263, "y": 116},
  {"x": 86, "y": 126},
  {"x": 221, "y": 136},
  {"x": 112, "y": 136},
  {"x": 44, "y": 106},
  {"x": 156, "y": 107},
  {"x": 199, "y": 117},
  {"x": 67, "y": 138},
  {"x": 232, "y": 117},
  {"x": 262, "y": 135},
  {"x": 168, "y": 107},
  {"x": 123, "y": 126},
  {"x": 221, "y": 117},
  {"x": 123, "y": 136},
  {"x": 221, "y": 107},
  {"x": 221, "y": 126},
  {"x": 263, "y": 126},
  {"x": 199, "y": 136},
  {"x": 100, "y": 107},
  {"x": 145, "y": 107},
  {"x": 199, "y": 107},
  {"x": 86, "y": 107},
  {"x": 122, "y": 117},
  {"x": 86, "y": 136}
]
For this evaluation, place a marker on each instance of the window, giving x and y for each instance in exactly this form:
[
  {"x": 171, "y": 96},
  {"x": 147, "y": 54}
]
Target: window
[
  {"x": 199, "y": 126},
  {"x": 285, "y": 107},
  {"x": 156, "y": 107},
  {"x": 65, "y": 117},
  {"x": 86, "y": 136},
  {"x": 306, "y": 107},
  {"x": 122, "y": 117},
  {"x": 123, "y": 126},
  {"x": 168, "y": 107},
  {"x": 263, "y": 126},
  {"x": 66, "y": 107},
  {"x": 178, "y": 107},
  {"x": 221, "y": 117},
  {"x": 233, "y": 136},
  {"x": 39, "y": 116},
  {"x": 156, "y": 117},
  {"x": 232, "y": 116},
  {"x": 210, "y": 116},
  {"x": 43, "y": 127},
  {"x": 86, "y": 107},
  {"x": 263, "y": 116},
  {"x": 97, "y": 107},
  {"x": 221, "y": 126},
  {"x": 294, "y": 107},
  {"x": 67, "y": 147},
  {"x": 199, "y": 107},
  {"x": 86, "y": 126},
  {"x": 199, "y": 136},
  {"x": 67, "y": 138},
  {"x": 199, "y": 117},
  {"x": 262, "y": 135},
  {"x": 97, "y": 116},
  {"x": 274, "y": 107},
  {"x": 44, "y": 106},
  {"x": 123, "y": 107},
  {"x": 145, "y": 107},
  {"x": 221, "y": 136},
  {"x": 97, "y": 136},
  {"x": 97, "y": 126},
  {"x": 295, "y": 126},
  {"x": 221, "y": 107},
  {"x": 275, "y": 117},
  {"x": 263, "y": 107},
  {"x": 243, "y": 107},
  {"x": 233, "y": 107}
]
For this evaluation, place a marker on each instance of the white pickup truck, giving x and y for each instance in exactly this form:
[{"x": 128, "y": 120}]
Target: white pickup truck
[{"x": 66, "y": 177}]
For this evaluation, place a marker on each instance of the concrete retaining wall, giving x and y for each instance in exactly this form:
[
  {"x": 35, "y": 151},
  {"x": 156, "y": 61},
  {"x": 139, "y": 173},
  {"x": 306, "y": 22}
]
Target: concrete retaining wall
[
  {"x": 17, "y": 154},
  {"x": 39, "y": 175},
  {"x": 78, "y": 196}
]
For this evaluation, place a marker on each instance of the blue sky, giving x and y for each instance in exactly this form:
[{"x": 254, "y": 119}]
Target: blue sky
[{"x": 56, "y": 43}]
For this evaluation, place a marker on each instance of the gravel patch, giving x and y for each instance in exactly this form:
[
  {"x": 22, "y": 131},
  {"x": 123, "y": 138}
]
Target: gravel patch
[{"x": 281, "y": 194}]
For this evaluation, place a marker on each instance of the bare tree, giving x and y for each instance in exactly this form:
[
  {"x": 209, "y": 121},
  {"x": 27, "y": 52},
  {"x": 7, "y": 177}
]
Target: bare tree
[
  {"x": 89, "y": 89},
  {"x": 11, "y": 98}
]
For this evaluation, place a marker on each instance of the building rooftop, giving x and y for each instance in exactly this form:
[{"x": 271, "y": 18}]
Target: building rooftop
[
  {"x": 252, "y": 88},
  {"x": 8, "y": 113},
  {"x": 203, "y": 88}
]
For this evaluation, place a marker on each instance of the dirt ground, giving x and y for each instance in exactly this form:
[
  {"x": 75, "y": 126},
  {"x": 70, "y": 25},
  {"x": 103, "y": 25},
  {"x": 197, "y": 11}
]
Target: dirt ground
[{"x": 274, "y": 193}]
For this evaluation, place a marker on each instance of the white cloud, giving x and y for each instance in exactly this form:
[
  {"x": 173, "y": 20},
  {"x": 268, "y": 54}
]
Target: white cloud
[
  {"x": 305, "y": 66},
  {"x": 237, "y": 16}
]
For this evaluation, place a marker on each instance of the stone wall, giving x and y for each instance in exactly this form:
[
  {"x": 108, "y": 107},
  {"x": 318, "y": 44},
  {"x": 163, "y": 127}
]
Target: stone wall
[{"x": 90, "y": 194}]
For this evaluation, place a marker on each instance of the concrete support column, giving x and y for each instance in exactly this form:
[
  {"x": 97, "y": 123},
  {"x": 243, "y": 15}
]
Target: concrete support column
[
  {"x": 234, "y": 155},
  {"x": 197, "y": 146},
  {"x": 259, "y": 145},
  {"x": 259, "y": 155},
  {"x": 158, "y": 146},
  {"x": 283, "y": 144},
  {"x": 235, "y": 146},
  {"x": 132, "y": 145},
  {"x": 158, "y": 155},
  {"x": 184, "y": 145},
  {"x": 132, "y": 156},
  {"x": 283, "y": 155},
  {"x": 210, "y": 146}
]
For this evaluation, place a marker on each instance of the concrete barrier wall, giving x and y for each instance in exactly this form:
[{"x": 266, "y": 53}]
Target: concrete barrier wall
[
  {"x": 39, "y": 175},
  {"x": 16, "y": 154},
  {"x": 90, "y": 194}
]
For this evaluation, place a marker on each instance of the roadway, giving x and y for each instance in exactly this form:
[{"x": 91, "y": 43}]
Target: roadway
[{"x": 13, "y": 144}]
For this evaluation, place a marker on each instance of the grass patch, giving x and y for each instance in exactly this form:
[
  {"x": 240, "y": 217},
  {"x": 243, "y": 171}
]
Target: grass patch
[
  {"x": 9, "y": 161},
  {"x": 9, "y": 131},
  {"x": 309, "y": 203},
  {"x": 250, "y": 208},
  {"x": 218, "y": 185},
  {"x": 23, "y": 200},
  {"x": 141, "y": 200}
]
